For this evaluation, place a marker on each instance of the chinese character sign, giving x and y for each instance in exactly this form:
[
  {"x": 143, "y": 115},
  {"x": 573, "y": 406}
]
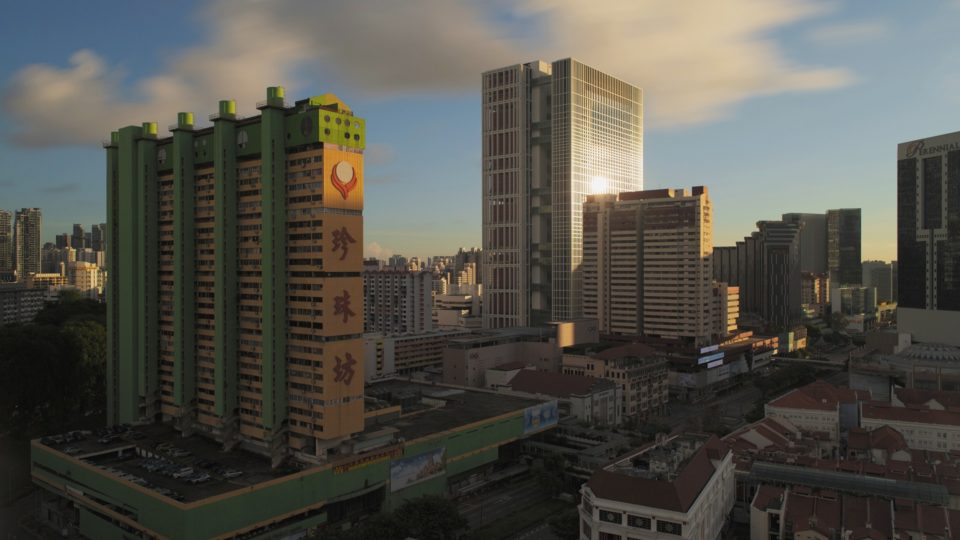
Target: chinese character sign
[
  {"x": 343, "y": 306},
  {"x": 344, "y": 369},
  {"x": 343, "y": 242}
]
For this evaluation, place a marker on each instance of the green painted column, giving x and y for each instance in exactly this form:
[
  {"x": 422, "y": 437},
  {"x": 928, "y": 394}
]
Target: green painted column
[
  {"x": 113, "y": 228},
  {"x": 184, "y": 357},
  {"x": 225, "y": 276},
  {"x": 148, "y": 283},
  {"x": 273, "y": 254},
  {"x": 127, "y": 275}
]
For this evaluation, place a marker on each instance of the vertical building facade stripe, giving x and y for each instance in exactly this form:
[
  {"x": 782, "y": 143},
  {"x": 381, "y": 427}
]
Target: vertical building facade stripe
[
  {"x": 127, "y": 272},
  {"x": 225, "y": 277},
  {"x": 184, "y": 367},
  {"x": 273, "y": 186},
  {"x": 148, "y": 282},
  {"x": 112, "y": 296}
]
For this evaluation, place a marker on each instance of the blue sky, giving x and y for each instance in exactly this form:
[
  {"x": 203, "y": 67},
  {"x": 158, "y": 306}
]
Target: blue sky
[{"x": 776, "y": 105}]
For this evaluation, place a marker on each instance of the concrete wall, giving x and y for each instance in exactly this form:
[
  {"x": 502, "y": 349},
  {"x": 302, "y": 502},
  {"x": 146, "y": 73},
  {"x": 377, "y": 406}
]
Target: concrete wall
[{"x": 930, "y": 326}]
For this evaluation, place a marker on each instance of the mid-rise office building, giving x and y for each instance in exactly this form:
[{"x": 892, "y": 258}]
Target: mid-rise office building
[
  {"x": 98, "y": 236},
  {"x": 646, "y": 264},
  {"x": 78, "y": 240},
  {"x": 814, "y": 294},
  {"x": 552, "y": 134},
  {"x": 928, "y": 238},
  {"x": 843, "y": 246},
  {"x": 398, "y": 301},
  {"x": 767, "y": 274},
  {"x": 813, "y": 241},
  {"x": 27, "y": 233},
  {"x": 879, "y": 274},
  {"x": 235, "y": 302},
  {"x": 6, "y": 241}
]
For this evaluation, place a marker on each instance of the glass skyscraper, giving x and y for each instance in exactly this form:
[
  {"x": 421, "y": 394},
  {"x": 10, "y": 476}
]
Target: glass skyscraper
[
  {"x": 552, "y": 134},
  {"x": 928, "y": 238}
]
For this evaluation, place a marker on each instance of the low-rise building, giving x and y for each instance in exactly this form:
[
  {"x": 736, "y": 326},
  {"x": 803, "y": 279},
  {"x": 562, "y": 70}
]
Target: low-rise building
[
  {"x": 387, "y": 356},
  {"x": 922, "y": 428},
  {"x": 819, "y": 408},
  {"x": 459, "y": 307},
  {"x": 466, "y": 359},
  {"x": 588, "y": 399},
  {"x": 20, "y": 304},
  {"x": 682, "y": 487},
  {"x": 639, "y": 370}
]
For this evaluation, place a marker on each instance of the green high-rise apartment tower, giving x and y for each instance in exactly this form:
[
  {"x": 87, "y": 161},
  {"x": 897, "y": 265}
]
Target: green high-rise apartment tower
[{"x": 234, "y": 255}]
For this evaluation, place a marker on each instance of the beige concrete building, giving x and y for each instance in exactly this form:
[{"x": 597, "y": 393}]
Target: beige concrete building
[
  {"x": 638, "y": 370},
  {"x": 726, "y": 306},
  {"x": 647, "y": 266},
  {"x": 388, "y": 356},
  {"x": 466, "y": 359},
  {"x": 683, "y": 487}
]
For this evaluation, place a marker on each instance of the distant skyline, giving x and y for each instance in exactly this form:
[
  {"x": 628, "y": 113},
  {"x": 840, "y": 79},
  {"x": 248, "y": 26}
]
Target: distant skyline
[{"x": 789, "y": 106}]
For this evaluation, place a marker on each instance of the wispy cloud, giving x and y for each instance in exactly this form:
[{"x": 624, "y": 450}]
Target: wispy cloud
[
  {"x": 694, "y": 59},
  {"x": 836, "y": 34},
  {"x": 69, "y": 187},
  {"x": 375, "y": 250}
]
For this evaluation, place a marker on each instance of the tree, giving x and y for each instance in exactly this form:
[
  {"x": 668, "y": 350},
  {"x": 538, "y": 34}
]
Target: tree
[
  {"x": 566, "y": 524},
  {"x": 54, "y": 368},
  {"x": 430, "y": 517},
  {"x": 551, "y": 474}
]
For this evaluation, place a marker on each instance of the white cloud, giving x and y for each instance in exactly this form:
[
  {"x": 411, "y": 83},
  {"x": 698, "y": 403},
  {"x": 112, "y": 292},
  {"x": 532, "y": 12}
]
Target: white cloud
[
  {"x": 375, "y": 250},
  {"x": 694, "y": 59},
  {"x": 836, "y": 34}
]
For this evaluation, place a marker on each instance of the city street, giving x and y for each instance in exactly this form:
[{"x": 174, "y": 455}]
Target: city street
[{"x": 495, "y": 504}]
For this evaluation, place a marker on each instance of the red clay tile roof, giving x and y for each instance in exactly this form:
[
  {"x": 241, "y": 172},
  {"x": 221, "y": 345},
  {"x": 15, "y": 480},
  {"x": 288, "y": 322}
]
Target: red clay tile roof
[
  {"x": 883, "y": 412},
  {"x": 676, "y": 496},
  {"x": 819, "y": 395},
  {"x": 914, "y": 396},
  {"x": 765, "y": 495},
  {"x": 561, "y": 385},
  {"x": 882, "y": 438},
  {"x": 812, "y": 512}
]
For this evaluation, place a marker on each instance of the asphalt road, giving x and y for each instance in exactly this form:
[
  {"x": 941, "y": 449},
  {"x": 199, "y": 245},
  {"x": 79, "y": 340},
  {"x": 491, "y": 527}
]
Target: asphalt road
[
  {"x": 540, "y": 532},
  {"x": 488, "y": 507}
]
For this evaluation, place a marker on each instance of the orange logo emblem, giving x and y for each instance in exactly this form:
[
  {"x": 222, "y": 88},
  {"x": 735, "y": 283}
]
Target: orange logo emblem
[{"x": 344, "y": 178}]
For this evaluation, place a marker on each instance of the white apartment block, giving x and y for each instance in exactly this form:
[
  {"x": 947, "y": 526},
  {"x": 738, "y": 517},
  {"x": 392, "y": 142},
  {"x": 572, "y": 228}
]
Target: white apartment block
[{"x": 397, "y": 301}]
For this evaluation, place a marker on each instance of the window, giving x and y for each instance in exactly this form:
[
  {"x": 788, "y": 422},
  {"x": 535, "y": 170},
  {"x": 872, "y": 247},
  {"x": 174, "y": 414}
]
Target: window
[
  {"x": 611, "y": 517},
  {"x": 609, "y": 536},
  {"x": 669, "y": 527},
  {"x": 638, "y": 522}
]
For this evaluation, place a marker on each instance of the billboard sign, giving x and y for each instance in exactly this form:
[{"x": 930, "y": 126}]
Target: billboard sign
[
  {"x": 710, "y": 358},
  {"x": 413, "y": 470},
  {"x": 540, "y": 417}
]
